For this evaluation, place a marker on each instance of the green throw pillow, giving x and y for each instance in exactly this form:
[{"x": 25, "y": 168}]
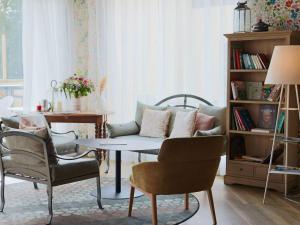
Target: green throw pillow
[
  {"x": 115, "y": 130},
  {"x": 140, "y": 110}
]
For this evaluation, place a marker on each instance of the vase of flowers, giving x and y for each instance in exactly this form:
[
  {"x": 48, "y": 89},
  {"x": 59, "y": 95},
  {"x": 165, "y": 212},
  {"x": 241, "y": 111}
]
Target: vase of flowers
[{"x": 77, "y": 87}]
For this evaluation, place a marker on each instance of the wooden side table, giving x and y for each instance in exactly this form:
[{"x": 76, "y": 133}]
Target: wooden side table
[{"x": 81, "y": 117}]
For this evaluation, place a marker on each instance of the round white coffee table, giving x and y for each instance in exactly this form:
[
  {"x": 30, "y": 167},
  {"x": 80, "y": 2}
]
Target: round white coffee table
[{"x": 118, "y": 146}]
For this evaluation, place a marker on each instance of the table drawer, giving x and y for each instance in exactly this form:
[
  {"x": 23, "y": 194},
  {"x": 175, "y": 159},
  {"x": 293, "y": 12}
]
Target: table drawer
[
  {"x": 261, "y": 173},
  {"x": 240, "y": 169}
]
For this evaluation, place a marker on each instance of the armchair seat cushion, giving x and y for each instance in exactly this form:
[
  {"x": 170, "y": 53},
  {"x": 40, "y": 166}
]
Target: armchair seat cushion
[
  {"x": 141, "y": 138},
  {"x": 67, "y": 170},
  {"x": 64, "y": 145}
]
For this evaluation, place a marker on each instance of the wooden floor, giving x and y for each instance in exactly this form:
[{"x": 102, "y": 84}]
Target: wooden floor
[{"x": 240, "y": 205}]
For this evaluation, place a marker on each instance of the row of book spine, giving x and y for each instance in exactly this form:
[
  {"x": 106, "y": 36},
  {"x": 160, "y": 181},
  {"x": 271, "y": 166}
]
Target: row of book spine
[
  {"x": 249, "y": 61},
  {"x": 241, "y": 120}
]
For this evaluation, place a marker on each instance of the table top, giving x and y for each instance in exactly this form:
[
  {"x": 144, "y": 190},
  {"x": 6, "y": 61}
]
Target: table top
[
  {"x": 119, "y": 145},
  {"x": 76, "y": 114}
]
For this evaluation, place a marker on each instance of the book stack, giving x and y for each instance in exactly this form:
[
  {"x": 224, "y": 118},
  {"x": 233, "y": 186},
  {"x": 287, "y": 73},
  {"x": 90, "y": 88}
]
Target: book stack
[
  {"x": 241, "y": 60},
  {"x": 241, "y": 120}
]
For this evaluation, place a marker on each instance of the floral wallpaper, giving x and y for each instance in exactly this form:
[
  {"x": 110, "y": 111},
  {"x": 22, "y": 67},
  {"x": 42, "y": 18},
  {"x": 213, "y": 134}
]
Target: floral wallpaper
[
  {"x": 280, "y": 14},
  {"x": 81, "y": 26}
]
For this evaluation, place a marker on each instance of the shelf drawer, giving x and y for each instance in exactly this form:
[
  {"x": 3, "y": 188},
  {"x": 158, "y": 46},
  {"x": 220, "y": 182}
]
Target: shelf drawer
[
  {"x": 240, "y": 169},
  {"x": 261, "y": 173}
]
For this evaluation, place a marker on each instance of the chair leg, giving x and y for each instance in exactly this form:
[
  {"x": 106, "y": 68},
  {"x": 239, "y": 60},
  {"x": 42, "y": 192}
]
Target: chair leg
[
  {"x": 107, "y": 162},
  {"x": 2, "y": 192},
  {"x": 99, "y": 193},
  {"x": 211, "y": 205},
  {"x": 154, "y": 209},
  {"x": 186, "y": 201},
  {"x": 35, "y": 186},
  {"x": 131, "y": 201},
  {"x": 140, "y": 157},
  {"x": 49, "y": 192}
]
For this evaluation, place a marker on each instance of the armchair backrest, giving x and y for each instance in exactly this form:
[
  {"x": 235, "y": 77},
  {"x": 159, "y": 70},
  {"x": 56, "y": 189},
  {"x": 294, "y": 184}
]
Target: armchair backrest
[
  {"x": 24, "y": 154},
  {"x": 193, "y": 162}
]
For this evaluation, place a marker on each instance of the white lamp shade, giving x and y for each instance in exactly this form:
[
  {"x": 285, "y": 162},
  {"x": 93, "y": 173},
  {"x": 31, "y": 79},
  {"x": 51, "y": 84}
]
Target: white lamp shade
[{"x": 284, "y": 66}]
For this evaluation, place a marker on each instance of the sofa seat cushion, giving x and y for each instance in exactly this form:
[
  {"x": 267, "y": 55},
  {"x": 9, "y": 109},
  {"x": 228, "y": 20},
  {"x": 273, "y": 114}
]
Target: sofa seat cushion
[
  {"x": 64, "y": 145},
  {"x": 72, "y": 169},
  {"x": 141, "y": 138}
]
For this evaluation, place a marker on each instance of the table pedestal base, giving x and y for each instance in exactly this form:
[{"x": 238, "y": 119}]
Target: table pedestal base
[{"x": 109, "y": 192}]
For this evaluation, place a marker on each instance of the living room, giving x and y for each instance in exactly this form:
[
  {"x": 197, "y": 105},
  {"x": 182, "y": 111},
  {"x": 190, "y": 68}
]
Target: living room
[{"x": 149, "y": 112}]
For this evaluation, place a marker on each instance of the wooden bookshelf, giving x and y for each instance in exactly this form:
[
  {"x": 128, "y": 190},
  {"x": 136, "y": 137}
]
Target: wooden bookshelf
[{"x": 256, "y": 143}]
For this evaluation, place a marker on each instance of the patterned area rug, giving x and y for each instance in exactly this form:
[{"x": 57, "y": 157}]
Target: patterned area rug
[{"x": 73, "y": 204}]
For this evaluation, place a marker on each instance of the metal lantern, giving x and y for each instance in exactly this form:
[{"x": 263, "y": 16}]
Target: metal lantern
[{"x": 242, "y": 18}]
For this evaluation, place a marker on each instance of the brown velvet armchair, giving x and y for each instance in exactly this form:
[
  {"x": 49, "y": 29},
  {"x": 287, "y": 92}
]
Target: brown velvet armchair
[{"x": 185, "y": 165}]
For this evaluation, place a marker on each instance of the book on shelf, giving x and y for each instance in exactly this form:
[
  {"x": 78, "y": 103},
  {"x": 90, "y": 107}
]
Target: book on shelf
[
  {"x": 244, "y": 60},
  {"x": 254, "y": 90},
  {"x": 267, "y": 116},
  {"x": 242, "y": 119},
  {"x": 287, "y": 169},
  {"x": 238, "y": 90},
  {"x": 274, "y": 95},
  {"x": 263, "y": 131},
  {"x": 280, "y": 123}
]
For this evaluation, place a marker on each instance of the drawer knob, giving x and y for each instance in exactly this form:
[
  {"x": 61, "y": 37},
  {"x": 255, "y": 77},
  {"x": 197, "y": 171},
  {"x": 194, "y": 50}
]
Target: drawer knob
[{"x": 241, "y": 169}]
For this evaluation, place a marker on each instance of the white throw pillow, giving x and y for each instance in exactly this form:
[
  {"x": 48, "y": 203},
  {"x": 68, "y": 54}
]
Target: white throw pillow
[
  {"x": 184, "y": 124},
  {"x": 155, "y": 123}
]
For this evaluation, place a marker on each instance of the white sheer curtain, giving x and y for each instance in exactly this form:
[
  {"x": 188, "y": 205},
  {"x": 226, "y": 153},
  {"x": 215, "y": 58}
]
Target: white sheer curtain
[
  {"x": 151, "y": 49},
  {"x": 47, "y": 47}
]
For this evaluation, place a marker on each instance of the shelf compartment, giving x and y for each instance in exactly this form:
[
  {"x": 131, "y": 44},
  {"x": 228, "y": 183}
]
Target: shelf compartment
[{"x": 253, "y": 102}]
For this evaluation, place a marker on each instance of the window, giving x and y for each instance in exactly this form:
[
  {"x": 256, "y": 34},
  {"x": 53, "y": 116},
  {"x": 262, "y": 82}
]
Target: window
[{"x": 11, "y": 67}]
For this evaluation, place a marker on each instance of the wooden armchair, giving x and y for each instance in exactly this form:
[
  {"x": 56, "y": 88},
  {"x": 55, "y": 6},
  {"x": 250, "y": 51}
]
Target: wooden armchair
[
  {"x": 185, "y": 165},
  {"x": 27, "y": 156}
]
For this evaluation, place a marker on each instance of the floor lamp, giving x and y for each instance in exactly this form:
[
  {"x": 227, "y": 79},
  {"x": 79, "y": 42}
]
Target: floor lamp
[{"x": 284, "y": 70}]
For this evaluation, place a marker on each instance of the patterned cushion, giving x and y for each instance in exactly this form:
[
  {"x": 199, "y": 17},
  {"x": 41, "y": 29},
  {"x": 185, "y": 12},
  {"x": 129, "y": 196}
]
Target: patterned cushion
[
  {"x": 218, "y": 112},
  {"x": 204, "y": 122},
  {"x": 155, "y": 123}
]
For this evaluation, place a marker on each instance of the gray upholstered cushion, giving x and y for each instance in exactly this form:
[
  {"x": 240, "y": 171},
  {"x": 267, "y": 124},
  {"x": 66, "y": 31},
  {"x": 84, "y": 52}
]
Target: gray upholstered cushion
[
  {"x": 140, "y": 110},
  {"x": 122, "y": 129},
  {"x": 71, "y": 169},
  {"x": 141, "y": 138},
  {"x": 218, "y": 112},
  {"x": 63, "y": 144},
  {"x": 12, "y": 121},
  {"x": 215, "y": 131}
]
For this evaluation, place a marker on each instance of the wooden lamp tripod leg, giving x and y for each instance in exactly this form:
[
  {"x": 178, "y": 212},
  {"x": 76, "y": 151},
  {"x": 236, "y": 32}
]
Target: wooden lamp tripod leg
[{"x": 273, "y": 144}]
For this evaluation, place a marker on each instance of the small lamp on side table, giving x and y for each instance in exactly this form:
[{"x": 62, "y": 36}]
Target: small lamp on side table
[{"x": 284, "y": 70}]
